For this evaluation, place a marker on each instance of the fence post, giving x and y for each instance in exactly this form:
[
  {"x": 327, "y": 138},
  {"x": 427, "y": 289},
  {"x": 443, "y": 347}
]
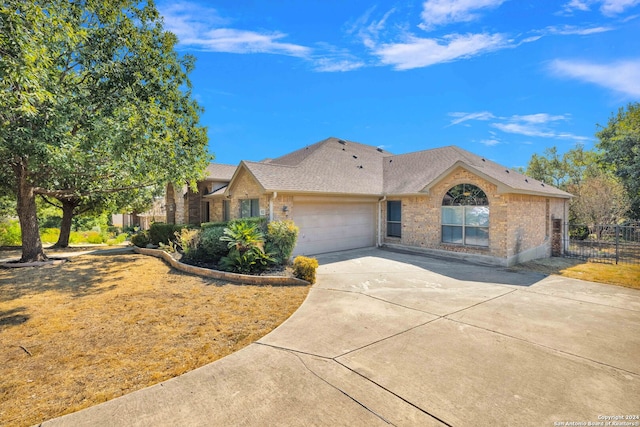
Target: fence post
[
  {"x": 556, "y": 238},
  {"x": 617, "y": 243}
]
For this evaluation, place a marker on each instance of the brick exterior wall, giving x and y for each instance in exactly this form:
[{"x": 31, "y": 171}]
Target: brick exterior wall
[
  {"x": 517, "y": 223},
  {"x": 245, "y": 187}
]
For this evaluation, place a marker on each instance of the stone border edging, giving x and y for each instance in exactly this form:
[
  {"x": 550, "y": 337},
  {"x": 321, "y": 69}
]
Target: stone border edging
[{"x": 221, "y": 275}]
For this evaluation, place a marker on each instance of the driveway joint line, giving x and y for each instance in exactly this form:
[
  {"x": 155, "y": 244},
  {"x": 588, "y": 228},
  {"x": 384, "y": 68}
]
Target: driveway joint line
[
  {"x": 394, "y": 394},
  {"x": 297, "y": 356},
  {"x": 544, "y": 346},
  {"x": 380, "y": 299},
  {"x": 444, "y": 316},
  {"x": 387, "y": 337}
]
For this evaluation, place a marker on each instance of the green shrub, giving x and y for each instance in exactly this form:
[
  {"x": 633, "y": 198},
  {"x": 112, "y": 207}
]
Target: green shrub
[
  {"x": 259, "y": 222},
  {"x": 305, "y": 268},
  {"x": 246, "y": 254},
  {"x": 206, "y": 225},
  {"x": 211, "y": 247},
  {"x": 160, "y": 232},
  {"x": 189, "y": 241},
  {"x": 94, "y": 237},
  {"x": 281, "y": 238},
  {"x": 10, "y": 234},
  {"x": 250, "y": 261},
  {"x": 121, "y": 238},
  {"x": 49, "y": 235},
  {"x": 141, "y": 239}
]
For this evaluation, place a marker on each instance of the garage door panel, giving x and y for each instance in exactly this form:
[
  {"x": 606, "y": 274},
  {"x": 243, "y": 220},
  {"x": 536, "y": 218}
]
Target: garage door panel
[{"x": 332, "y": 227}]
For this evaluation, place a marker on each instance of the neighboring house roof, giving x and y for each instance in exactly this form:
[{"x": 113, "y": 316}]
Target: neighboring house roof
[
  {"x": 220, "y": 172},
  {"x": 336, "y": 166}
]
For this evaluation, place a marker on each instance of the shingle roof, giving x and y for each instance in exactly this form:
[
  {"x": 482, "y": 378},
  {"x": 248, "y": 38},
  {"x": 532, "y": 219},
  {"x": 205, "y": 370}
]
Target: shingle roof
[
  {"x": 414, "y": 172},
  {"x": 219, "y": 172},
  {"x": 331, "y": 166},
  {"x": 336, "y": 166}
]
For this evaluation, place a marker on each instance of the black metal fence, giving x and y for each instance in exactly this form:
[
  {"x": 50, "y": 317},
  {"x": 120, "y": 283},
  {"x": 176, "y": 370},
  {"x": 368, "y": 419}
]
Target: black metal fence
[{"x": 603, "y": 243}]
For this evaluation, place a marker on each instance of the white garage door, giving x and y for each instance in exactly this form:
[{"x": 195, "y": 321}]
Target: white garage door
[{"x": 327, "y": 227}]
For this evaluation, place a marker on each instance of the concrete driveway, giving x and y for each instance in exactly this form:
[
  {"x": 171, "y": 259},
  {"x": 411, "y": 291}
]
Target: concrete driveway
[{"x": 388, "y": 338}]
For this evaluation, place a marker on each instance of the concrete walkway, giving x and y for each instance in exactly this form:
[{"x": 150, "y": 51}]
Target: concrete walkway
[{"x": 387, "y": 338}]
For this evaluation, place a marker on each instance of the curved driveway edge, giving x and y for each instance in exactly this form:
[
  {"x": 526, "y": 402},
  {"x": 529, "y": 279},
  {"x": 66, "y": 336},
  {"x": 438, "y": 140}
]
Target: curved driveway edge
[{"x": 387, "y": 338}]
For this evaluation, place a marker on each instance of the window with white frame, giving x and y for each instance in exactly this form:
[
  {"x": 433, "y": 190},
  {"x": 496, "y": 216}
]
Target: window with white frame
[{"x": 465, "y": 216}]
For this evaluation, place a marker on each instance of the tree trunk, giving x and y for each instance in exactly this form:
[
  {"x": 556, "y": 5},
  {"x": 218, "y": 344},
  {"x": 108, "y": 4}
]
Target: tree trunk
[
  {"x": 28, "y": 216},
  {"x": 68, "y": 208}
]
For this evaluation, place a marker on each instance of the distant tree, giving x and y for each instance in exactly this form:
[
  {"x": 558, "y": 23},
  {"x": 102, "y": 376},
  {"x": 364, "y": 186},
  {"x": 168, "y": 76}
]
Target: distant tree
[
  {"x": 561, "y": 171},
  {"x": 93, "y": 101},
  {"x": 620, "y": 146},
  {"x": 599, "y": 199}
]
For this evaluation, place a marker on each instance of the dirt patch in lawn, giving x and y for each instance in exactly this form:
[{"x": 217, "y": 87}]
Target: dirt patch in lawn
[
  {"x": 627, "y": 275},
  {"x": 100, "y": 326}
]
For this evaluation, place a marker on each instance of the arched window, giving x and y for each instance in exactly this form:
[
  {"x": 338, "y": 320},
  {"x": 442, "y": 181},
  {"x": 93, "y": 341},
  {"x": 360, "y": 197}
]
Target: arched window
[{"x": 465, "y": 216}]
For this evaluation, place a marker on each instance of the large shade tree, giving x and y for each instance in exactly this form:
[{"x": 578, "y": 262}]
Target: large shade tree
[
  {"x": 620, "y": 144},
  {"x": 94, "y": 100}
]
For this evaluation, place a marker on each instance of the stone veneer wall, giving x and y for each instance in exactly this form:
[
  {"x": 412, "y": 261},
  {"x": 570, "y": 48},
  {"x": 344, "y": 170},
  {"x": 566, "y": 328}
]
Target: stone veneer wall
[{"x": 517, "y": 223}]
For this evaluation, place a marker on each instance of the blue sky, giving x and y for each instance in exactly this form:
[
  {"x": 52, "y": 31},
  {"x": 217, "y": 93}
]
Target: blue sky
[{"x": 501, "y": 78}]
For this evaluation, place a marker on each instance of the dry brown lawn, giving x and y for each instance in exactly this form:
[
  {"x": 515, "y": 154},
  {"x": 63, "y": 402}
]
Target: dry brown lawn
[
  {"x": 100, "y": 326},
  {"x": 627, "y": 275}
]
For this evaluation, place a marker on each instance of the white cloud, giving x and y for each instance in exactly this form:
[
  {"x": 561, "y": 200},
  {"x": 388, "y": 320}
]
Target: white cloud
[
  {"x": 442, "y": 12},
  {"x": 463, "y": 117},
  {"x": 202, "y": 28},
  {"x": 490, "y": 142},
  {"x": 607, "y": 7},
  {"x": 331, "y": 65},
  {"x": 620, "y": 76},
  {"x": 421, "y": 52},
  {"x": 241, "y": 41},
  {"x": 567, "y": 30},
  {"x": 539, "y": 125},
  {"x": 536, "y": 125}
]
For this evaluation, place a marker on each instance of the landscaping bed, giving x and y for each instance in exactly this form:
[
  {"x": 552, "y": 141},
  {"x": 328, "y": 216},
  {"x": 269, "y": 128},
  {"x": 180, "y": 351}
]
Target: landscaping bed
[{"x": 101, "y": 326}]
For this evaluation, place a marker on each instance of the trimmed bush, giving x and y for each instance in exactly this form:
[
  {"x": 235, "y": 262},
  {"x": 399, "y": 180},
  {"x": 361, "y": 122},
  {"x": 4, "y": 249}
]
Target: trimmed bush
[
  {"x": 206, "y": 225},
  {"x": 281, "y": 238},
  {"x": 305, "y": 268},
  {"x": 160, "y": 232},
  {"x": 141, "y": 239},
  {"x": 211, "y": 247}
]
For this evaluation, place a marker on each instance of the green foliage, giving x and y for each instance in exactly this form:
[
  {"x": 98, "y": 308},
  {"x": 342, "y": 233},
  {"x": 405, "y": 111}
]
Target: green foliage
[
  {"x": 561, "y": 171},
  {"x": 206, "y": 225},
  {"x": 619, "y": 142},
  {"x": 246, "y": 248},
  {"x": 259, "y": 222},
  {"x": 10, "y": 234},
  {"x": 160, "y": 232},
  {"x": 189, "y": 241},
  {"x": 49, "y": 235},
  {"x": 141, "y": 239},
  {"x": 281, "y": 239},
  {"x": 243, "y": 235},
  {"x": 212, "y": 248},
  {"x": 96, "y": 106},
  {"x": 305, "y": 268}
]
